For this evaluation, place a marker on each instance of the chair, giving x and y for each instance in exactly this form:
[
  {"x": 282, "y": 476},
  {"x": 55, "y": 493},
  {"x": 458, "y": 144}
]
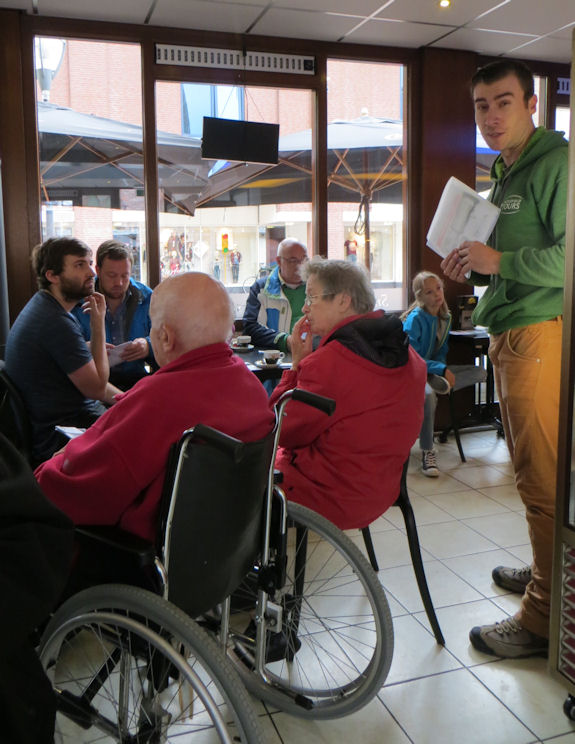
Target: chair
[
  {"x": 412, "y": 537},
  {"x": 14, "y": 421}
]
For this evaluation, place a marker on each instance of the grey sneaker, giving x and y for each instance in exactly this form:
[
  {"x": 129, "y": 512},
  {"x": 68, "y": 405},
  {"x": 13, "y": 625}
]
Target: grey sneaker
[
  {"x": 439, "y": 384},
  {"x": 508, "y": 639},
  {"x": 429, "y": 464},
  {"x": 512, "y": 579}
]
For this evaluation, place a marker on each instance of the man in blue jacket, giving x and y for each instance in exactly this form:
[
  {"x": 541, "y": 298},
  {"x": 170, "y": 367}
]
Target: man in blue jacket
[
  {"x": 127, "y": 314},
  {"x": 276, "y": 302}
]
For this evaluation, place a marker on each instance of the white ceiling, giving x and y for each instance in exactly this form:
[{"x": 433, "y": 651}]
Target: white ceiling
[{"x": 530, "y": 29}]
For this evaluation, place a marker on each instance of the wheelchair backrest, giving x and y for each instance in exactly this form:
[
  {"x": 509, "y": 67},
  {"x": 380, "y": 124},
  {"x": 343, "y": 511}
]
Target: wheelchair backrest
[{"x": 213, "y": 512}]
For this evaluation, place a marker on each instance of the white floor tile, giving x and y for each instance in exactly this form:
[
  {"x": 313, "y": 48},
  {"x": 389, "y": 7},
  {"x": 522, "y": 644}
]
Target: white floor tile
[
  {"x": 504, "y": 529},
  {"x": 507, "y": 495},
  {"x": 372, "y": 725},
  {"x": 444, "y": 586},
  {"x": 453, "y": 708},
  {"x": 452, "y": 538},
  {"x": 476, "y": 569},
  {"x": 526, "y": 688},
  {"x": 467, "y": 503},
  {"x": 416, "y": 653},
  {"x": 391, "y": 548},
  {"x": 484, "y": 475}
]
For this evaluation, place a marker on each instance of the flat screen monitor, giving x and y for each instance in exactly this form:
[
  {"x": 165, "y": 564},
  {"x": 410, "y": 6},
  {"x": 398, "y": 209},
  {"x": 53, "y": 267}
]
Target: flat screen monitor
[{"x": 243, "y": 141}]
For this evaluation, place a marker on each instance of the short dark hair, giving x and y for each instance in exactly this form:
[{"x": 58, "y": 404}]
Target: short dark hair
[
  {"x": 113, "y": 250},
  {"x": 495, "y": 71},
  {"x": 49, "y": 256}
]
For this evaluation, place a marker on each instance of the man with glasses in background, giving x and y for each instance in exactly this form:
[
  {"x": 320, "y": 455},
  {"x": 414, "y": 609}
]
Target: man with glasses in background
[{"x": 275, "y": 302}]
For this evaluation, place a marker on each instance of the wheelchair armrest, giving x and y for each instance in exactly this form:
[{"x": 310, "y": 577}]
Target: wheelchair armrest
[{"x": 114, "y": 540}]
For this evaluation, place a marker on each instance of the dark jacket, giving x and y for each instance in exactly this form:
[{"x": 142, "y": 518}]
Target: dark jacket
[{"x": 35, "y": 555}]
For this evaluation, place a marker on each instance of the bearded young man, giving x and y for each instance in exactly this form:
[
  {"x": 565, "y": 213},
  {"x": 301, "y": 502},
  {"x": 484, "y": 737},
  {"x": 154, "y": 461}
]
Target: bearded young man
[{"x": 62, "y": 381}]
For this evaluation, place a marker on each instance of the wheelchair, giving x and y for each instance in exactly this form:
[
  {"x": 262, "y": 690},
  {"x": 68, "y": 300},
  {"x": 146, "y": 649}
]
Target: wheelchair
[
  {"x": 288, "y": 597},
  {"x": 114, "y": 663},
  {"x": 140, "y": 672}
]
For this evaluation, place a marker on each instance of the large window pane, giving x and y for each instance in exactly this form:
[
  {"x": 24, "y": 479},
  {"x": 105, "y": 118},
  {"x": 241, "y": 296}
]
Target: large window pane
[
  {"x": 89, "y": 109},
  {"x": 367, "y": 172},
  {"x": 227, "y": 218}
]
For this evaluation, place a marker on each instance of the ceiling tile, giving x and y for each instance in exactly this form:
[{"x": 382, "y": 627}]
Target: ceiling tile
[
  {"x": 361, "y": 8},
  {"x": 549, "y": 48},
  {"x": 483, "y": 42},
  {"x": 209, "y": 16},
  {"x": 529, "y": 17},
  {"x": 396, "y": 33},
  {"x": 127, "y": 11},
  {"x": 428, "y": 11},
  {"x": 303, "y": 24},
  {"x": 17, "y": 5}
]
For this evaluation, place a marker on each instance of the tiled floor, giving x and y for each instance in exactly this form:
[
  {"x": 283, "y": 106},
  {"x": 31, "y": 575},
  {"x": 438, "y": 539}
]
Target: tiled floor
[{"x": 469, "y": 520}]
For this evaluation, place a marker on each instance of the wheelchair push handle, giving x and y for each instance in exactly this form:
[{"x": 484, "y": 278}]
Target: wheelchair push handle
[
  {"x": 327, "y": 405},
  {"x": 224, "y": 442}
]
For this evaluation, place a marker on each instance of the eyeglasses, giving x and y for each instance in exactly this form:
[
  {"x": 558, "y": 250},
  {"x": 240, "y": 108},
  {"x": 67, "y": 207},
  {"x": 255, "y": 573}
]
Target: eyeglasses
[
  {"x": 293, "y": 261},
  {"x": 312, "y": 299}
]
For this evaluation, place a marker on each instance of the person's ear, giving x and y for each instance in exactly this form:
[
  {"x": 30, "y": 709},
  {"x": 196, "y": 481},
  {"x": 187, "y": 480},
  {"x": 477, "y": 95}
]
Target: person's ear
[
  {"x": 52, "y": 277},
  {"x": 167, "y": 337},
  {"x": 532, "y": 104},
  {"x": 344, "y": 301}
]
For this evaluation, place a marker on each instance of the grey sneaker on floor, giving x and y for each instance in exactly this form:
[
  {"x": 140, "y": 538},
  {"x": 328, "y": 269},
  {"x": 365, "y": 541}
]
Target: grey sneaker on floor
[
  {"x": 439, "y": 384},
  {"x": 512, "y": 579},
  {"x": 429, "y": 464},
  {"x": 508, "y": 639}
]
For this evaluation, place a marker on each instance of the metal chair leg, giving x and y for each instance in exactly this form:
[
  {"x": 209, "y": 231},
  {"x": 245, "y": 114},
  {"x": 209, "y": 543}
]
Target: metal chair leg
[
  {"x": 455, "y": 427},
  {"x": 369, "y": 547},
  {"x": 413, "y": 540}
]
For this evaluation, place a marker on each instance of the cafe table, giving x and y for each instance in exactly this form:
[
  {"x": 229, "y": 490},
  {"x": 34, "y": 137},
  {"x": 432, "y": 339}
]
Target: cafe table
[{"x": 254, "y": 362}]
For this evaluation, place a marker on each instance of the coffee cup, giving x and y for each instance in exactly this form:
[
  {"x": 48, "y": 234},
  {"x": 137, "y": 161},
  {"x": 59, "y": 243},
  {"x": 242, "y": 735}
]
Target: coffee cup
[
  {"x": 241, "y": 340},
  {"x": 272, "y": 356}
]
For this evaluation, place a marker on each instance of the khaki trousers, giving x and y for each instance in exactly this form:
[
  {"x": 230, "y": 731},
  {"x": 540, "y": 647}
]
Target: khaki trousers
[{"x": 527, "y": 369}]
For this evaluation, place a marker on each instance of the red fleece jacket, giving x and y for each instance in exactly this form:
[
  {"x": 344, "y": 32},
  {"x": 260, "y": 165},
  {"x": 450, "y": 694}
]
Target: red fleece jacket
[
  {"x": 113, "y": 474},
  {"x": 348, "y": 466}
]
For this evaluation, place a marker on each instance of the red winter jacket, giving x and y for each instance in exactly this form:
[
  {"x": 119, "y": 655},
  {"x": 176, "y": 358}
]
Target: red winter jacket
[
  {"x": 348, "y": 466},
  {"x": 113, "y": 473}
]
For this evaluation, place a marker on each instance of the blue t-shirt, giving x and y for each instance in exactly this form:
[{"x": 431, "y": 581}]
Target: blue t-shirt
[{"x": 44, "y": 346}]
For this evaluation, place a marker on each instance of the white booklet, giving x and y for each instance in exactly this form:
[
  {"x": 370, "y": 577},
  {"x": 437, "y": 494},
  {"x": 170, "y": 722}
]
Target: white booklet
[
  {"x": 115, "y": 354},
  {"x": 462, "y": 214}
]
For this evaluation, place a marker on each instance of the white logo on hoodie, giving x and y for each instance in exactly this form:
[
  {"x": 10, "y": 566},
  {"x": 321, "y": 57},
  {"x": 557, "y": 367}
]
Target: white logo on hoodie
[{"x": 511, "y": 204}]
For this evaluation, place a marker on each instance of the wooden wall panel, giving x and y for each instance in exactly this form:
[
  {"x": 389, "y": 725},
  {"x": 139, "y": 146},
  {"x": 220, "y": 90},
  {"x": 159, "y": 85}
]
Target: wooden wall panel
[
  {"x": 14, "y": 163},
  {"x": 446, "y": 147}
]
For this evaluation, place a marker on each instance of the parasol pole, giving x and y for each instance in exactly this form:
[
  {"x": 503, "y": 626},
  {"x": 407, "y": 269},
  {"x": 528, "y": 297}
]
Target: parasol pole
[{"x": 366, "y": 202}]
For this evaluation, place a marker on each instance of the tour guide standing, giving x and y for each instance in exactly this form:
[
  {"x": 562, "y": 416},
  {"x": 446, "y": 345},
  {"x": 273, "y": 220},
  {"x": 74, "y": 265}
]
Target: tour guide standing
[{"x": 523, "y": 266}]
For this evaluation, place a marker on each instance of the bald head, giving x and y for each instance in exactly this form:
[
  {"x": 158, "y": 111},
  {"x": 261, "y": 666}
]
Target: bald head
[
  {"x": 291, "y": 255},
  {"x": 188, "y": 311}
]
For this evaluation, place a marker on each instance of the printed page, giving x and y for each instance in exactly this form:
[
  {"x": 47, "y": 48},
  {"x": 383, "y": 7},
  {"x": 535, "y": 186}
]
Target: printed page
[{"x": 461, "y": 215}]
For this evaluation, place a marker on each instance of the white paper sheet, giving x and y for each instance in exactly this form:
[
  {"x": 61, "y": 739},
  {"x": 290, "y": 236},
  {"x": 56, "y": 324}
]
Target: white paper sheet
[
  {"x": 115, "y": 354},
  {"x": 461, "y": 215}
]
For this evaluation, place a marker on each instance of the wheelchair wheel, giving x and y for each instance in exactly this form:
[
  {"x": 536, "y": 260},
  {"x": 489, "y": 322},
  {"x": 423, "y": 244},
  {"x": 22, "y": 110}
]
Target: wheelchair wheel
[
  {"x": 337, "y": 631},
  {"x": 127, "y": 666}
]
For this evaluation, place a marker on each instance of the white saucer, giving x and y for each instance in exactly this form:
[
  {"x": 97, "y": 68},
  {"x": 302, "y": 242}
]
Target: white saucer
[
  {"x": 262, "y": 363},
  {"x": 242, "y": 349}
]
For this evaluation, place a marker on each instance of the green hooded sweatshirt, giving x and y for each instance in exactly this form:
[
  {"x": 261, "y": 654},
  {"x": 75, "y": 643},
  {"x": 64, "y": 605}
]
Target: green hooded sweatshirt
[{"x": 529, "y": 234}]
